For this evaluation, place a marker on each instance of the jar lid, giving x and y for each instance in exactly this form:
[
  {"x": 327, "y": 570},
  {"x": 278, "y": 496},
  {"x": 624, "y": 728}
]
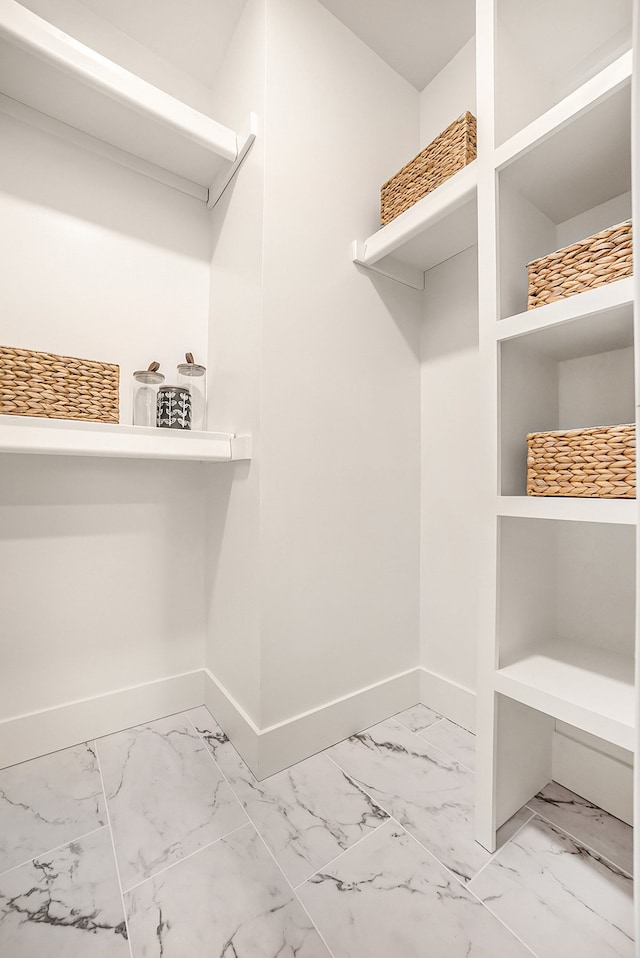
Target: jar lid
[
  {"x": 191, "y": 369},
  {"x": 147, "y": 376}
]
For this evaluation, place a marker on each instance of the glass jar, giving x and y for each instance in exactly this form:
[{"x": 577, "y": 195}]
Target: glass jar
[
  {"x": 193, "y": 377},
  {"x": 145, "y": 394}
]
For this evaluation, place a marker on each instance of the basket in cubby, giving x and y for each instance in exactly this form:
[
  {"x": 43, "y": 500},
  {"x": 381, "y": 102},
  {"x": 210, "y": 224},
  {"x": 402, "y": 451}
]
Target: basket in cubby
[
  {"x": 451, "y": 150},
  {"x": 596, "y": 462},
  {"x": 600, "y": 259},
  {"x": 57, "y": 387}
]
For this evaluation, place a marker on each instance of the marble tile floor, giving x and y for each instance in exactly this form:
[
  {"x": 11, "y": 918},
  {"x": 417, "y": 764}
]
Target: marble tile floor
[{"x": 158, "y": 842}]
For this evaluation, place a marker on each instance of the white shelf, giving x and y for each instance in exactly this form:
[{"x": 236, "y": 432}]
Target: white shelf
[
  {"x": 613, "y": 78},
  {"x": 59, "y": 437},
  {"x": 578, "y": 155},
  {"x": 597, "y": 320},
  {"x": 65, "y": 81},
  {"x": 433, "y": 230},
  {"x": 615, "y": 511},
  {"x": 587, "y": 687}
]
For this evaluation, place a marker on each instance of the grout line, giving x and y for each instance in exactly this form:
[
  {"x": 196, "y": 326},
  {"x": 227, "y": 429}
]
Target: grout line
[
  {"x": 438, "y": 748},
  {"x": 419, "y": 731},
  {"x": 359, "y": 786},
  {"x": 113, "y": 846},
  {"x": 186, "y": 857},
  {"x": 495, "y": 854},
  {"x": 344, "y": 851},
  {"x": 465, "y": 885},
  {"x": 580, "y": 841},
  {"x": 257, "y": 831},
  {"x": 56, "y": 848}
]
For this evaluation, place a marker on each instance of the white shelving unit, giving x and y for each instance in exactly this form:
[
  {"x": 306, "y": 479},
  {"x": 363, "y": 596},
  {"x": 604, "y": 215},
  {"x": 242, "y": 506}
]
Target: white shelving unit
[
  {"x": 57, "y": 437},
  {"x": 437, "y": 227},
  {"x": 49, "y": 79},
  {"x": 558, "y": 635}
]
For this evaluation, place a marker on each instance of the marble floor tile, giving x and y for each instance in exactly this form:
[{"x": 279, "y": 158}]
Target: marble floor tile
[
  {"x": 228, "y": 900},
  {"x": 429, "y": 794},
  {"x": 558, "y": 897},
  {"x": 389, "y": 898},
  {"x": 417, "y": 718},
  {"x": 307, "y": 814},
  {"x": 606, "y": 835},
  {"x": 66, "y": 904},
  {"x": 47, "y": 802},
  {"x": 166, "y": 797},
  {"x": 455, "y": 741}
]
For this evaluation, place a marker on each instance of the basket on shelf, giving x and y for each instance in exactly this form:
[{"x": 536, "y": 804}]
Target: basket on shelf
[
  {"x": 57, "y": 387},
  {"x": 451, "y": 150},
  {"x": 597, "y": 462},
  {"x": 595, "y": 261}
]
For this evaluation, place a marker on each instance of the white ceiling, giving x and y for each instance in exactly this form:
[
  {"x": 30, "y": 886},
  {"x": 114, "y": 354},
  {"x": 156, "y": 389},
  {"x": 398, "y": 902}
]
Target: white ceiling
[{"x": 415, "y": 37}]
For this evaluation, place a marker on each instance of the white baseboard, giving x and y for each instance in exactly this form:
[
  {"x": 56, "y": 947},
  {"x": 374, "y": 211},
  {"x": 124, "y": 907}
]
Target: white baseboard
[
  {"x": 455, "y": 702},
  {"x": 37, "y": 733},
  {"x": 278, "y": 746},
  {"x": 586, "y": 766}
]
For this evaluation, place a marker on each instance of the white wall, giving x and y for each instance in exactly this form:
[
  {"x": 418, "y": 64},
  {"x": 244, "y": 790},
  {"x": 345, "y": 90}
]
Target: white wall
[
  {"x": 451, "y": 427},
  {"x": 233, "y": 548},
  {"x": 102, "y": 562},
  {"x": 340, "y": 375}
]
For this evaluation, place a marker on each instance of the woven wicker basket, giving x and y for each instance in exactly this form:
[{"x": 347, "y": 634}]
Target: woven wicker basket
[
  {"x": 599, "y": 462},
  {"x": 596, "y": 261},
  {"x": 57, "y": 387},
  {"x": 451, "y": 150}
]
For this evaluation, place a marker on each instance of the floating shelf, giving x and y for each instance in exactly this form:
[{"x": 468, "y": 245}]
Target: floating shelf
[
  {"x": 56, "y": 77},
  {"x": 19, "y": 434},
  {"x": 590, "y": 688},
  {"x": 433, "y": 230},
  {"x": 615, "y": 511}
]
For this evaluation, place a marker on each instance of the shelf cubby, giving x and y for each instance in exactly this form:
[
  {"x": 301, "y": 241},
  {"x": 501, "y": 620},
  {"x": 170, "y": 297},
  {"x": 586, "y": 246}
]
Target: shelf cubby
[
  {"x": 570, "y": 375},
  {"x": 566, "y": 617},
  {"x": 546, "y": 51},
  {"x": 563, "y": 188}
]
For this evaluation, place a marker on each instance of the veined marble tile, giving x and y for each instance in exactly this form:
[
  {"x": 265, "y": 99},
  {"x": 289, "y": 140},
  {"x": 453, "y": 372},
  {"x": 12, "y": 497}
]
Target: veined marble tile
[
  {"x": 558, "y": 897},
  {"x": 389, "y": 898},
  {"x": 429, "y": 794},
  {"x": 166, "y": 797},
  {"x": 307, "y": 814},
  {"x": 458, "y": 744},
  {"x": 65, "y": 904},
  {"x": 589, "y": 824},
  {"x": 229, "y": 900},
  {"x": 417, "y": 718},
  {"x": 47, "y": 802}
]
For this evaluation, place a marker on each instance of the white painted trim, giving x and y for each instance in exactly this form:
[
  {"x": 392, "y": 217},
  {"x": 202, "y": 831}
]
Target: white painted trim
[
  {"x": 278, "y": 746},
  {"x": 36, "y": 733},
  {"x": 456, "y": 702}
]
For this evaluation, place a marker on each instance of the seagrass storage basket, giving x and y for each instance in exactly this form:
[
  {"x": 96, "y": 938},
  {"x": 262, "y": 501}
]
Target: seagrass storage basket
[
  {"x": 599, "y": 462},
  {"x": 57, "y": 387},
  {"x": 595, "y": 261},
  {"x": 451, "y": 150}
]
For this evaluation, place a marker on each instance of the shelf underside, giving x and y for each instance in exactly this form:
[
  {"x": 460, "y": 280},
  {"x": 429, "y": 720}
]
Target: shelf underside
[
  {"x": 71, "y": 438},
  {"x": 587, "y": 687},
  {"x": 54, "y": 74}
]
